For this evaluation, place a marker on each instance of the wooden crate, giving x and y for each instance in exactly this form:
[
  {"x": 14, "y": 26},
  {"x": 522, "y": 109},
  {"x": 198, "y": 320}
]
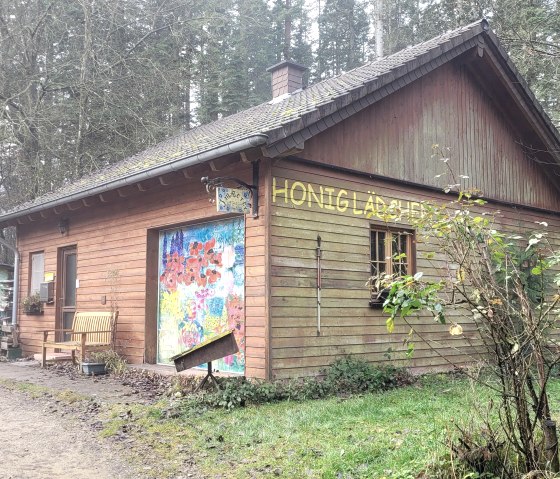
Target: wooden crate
[{"x": 9, "y": 341}]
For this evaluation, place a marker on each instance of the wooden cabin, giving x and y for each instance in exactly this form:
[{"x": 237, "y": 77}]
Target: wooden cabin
[{"x": 143, "y": 236}]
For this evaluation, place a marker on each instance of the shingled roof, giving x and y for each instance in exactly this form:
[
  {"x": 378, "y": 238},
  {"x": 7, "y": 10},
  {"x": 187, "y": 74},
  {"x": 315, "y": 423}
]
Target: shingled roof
[{"x": 286, "y": 122}]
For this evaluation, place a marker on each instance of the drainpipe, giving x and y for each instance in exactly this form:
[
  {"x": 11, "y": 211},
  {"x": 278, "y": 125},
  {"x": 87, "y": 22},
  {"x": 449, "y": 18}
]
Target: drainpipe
[{"x": 15, "y": 295}]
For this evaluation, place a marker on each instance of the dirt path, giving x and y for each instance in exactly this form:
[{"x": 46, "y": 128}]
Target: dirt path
[
  {"x": 39, "y": 444},
  {"x": 45, "y": 437},
  {"x": 104, "y": 388}
]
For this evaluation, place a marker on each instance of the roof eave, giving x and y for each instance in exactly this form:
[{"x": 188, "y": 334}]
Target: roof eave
[{"x": 176, "y": 165}]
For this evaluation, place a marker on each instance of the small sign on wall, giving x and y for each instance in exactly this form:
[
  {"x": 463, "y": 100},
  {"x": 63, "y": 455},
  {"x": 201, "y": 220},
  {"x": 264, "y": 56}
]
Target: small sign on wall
[{"x": 233, "y": 200}]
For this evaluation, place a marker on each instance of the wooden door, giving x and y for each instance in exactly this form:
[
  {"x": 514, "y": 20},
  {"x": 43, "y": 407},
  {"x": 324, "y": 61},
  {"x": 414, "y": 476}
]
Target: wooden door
[{"x": 66, "y": 287}]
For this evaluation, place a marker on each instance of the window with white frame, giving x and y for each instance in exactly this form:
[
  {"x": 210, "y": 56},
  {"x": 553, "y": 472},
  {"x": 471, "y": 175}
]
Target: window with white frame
[{"x": 36, "y": 271}]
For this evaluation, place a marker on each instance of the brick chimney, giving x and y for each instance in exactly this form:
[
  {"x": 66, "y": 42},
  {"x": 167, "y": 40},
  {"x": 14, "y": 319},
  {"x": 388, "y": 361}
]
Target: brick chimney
[{"x": 287, "y": 77}]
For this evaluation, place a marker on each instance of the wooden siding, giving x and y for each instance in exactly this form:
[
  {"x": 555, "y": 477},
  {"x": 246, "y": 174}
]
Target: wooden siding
[
  {"x": 114, "y": 236},
  {"x": 349, "y": 325},
  {"x": 447, "y": 107}
]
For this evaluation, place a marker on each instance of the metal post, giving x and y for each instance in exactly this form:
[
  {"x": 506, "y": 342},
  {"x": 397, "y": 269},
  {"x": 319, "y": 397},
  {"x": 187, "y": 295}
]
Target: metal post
[
  {"x": 255, "y": 189},
  {"x": 318, "y": 285},
  {"x": 15, "y": 292}
]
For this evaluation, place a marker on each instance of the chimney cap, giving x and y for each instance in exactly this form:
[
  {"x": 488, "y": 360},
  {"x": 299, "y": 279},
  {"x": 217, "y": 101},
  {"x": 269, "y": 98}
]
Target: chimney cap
[{"x": 285, "y": 63}]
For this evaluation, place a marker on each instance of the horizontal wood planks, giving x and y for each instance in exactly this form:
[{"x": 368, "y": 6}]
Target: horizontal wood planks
[
  {"x": 348, "y": 324},
  {"x": 113, "y": 237},
  {"x": 447, "y": 107}
]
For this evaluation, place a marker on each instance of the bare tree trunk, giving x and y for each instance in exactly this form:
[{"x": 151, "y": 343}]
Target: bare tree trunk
[
  {"x": 85, "y": 73},
  {"x": 287, "y": 29},
  {"x": 379, "y": 29},
  {"x": 351, "y": 38}
]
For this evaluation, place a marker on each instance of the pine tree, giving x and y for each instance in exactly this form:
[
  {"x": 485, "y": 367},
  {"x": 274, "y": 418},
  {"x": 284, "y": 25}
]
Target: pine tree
[{"x": 343, "y": 31}]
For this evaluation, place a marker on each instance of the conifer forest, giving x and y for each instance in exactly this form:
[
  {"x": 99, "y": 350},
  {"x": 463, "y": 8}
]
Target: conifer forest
[{"x": 85, "y": 83}]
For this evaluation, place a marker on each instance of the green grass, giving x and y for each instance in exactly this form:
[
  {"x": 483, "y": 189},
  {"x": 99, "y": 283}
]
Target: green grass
[
  {"x": 35, "y": 391},
  {"x": 393, "y": 434},
  {"x": 32, "y": 390}
]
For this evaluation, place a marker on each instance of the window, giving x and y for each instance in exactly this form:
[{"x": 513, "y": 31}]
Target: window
[
  {"x": 36, "y": 272},
  {"x": 391, "y": 252}
]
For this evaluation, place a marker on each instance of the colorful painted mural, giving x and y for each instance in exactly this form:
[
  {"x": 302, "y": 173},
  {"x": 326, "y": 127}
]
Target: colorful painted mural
[{"x": 201, "y": 288}]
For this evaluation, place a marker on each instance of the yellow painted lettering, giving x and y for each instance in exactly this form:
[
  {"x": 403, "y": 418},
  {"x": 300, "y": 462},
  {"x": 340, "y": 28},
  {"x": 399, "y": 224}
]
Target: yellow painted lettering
[
  {"x": 355, "y": 210},
  {"x": 277, "y": 191},
  {"x": 298, "y": 184},
  {"x": 329, "y": 205},
  {"x": 405, "y": 207},
  {"x": 369, "y": 209},
  {"x": 311, "y": 193},
  {"x": 380, "y": 206},
  {"x": 342, "y": 204}
]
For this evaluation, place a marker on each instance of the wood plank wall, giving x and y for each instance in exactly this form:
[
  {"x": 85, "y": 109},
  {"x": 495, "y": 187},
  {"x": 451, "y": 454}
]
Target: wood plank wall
[
  {"x": 447, "y": 107},
  {"x": 349, "y": 325},
  {"x": 113, "y": 236}
]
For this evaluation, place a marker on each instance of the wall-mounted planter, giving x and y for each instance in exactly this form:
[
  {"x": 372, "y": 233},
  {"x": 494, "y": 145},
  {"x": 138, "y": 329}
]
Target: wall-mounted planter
[
  {"x": 33, "y": 312},
  {"x": 378, "y": 298},
  {"x": 94, "y": 369}
]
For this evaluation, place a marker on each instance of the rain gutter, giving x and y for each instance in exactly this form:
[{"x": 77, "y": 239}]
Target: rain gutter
[{"x": 234, "y": 147}]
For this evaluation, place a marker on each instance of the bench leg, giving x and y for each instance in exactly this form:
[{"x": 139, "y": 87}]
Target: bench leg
[
  {"x": 73, "y": 356},
  {"x": 44, "y": 357},
  {"x": 83, "y": 348}
]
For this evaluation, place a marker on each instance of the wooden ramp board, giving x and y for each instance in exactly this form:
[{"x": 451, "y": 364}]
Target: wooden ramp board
[
  {"x": 54, "y": 357},
  {"x": 212, "y": 349}
]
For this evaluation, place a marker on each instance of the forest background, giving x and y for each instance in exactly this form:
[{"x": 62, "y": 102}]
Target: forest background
[{"x": 85, "y": 83}]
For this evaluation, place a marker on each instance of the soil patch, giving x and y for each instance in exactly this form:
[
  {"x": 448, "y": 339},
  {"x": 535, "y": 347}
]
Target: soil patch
[{"x": 51, "y": 420}]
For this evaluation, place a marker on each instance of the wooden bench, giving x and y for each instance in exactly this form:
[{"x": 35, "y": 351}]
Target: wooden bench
[{"x": 91, "y": 331}]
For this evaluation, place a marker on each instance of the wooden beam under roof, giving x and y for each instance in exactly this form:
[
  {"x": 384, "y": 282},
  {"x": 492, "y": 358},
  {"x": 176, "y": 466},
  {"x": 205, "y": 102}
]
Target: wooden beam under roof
[{"x": 74, "y": 206}]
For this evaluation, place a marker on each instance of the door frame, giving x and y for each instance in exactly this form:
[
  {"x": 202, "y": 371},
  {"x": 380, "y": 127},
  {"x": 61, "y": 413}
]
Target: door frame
[
  {"x": 152, "y": 278},
  {"x": 63, "y": 253}
]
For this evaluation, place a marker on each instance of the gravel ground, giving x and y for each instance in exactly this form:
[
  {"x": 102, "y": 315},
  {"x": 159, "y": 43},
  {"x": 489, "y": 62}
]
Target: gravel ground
[
  {"x": 44, "y": 437},
  {"x": 38, "y": 443}
]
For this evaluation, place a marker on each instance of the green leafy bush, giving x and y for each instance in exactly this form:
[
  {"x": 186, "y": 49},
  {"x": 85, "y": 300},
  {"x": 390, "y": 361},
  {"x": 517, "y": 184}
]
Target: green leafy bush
[
  {"x": 348, "y": 375},
  {"x": 345, "y": 376}
]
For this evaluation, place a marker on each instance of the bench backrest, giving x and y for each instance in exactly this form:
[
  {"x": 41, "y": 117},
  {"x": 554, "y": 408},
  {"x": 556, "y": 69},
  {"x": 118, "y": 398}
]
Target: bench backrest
[{"x": 91, "y": 321}]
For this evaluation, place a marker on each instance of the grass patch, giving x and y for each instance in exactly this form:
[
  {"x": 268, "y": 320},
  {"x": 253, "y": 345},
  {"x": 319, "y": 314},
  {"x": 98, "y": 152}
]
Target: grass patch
[
  {"x": 32, "y": 390},
  {"x": 393, "y": 434},
  {"x": 35, "y": 391},
  {"x": 70, "y": 397}
]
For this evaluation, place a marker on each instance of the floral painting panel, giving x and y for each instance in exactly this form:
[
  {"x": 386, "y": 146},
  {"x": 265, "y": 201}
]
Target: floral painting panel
[{"x": 201, "y": 289}]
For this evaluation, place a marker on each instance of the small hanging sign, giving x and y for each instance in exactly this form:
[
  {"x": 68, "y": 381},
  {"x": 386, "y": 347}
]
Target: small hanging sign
[{"x": 233, "y": 200}]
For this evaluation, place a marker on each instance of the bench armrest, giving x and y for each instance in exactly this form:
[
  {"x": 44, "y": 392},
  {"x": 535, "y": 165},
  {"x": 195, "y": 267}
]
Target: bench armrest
[
  {"x": 45, "y": 332},
  {"x": 55, "y": 330},
  {"x": 92, "y": 332}
]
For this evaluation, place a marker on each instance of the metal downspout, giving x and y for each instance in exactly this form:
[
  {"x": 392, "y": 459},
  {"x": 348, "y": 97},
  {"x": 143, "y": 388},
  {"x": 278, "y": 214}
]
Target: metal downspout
[
  {"x": 15, "y": 295},
  {"x": 15, "y": 292}
]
